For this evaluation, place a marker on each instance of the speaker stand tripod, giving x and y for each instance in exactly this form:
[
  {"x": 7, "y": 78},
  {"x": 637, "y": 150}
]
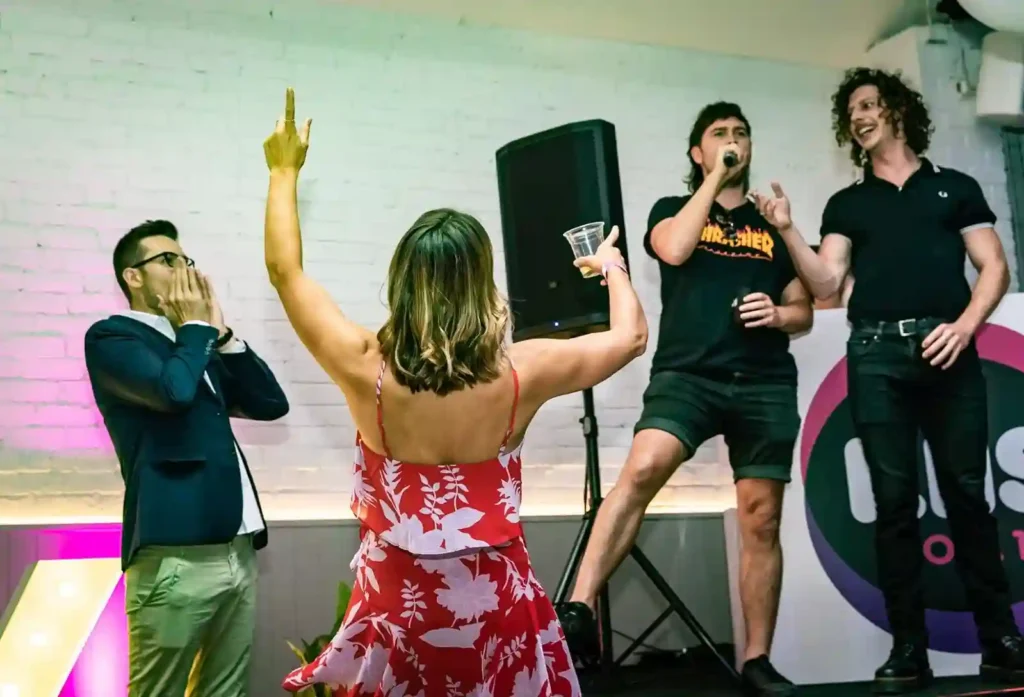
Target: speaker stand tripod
[{"x": 593, "y": 501}]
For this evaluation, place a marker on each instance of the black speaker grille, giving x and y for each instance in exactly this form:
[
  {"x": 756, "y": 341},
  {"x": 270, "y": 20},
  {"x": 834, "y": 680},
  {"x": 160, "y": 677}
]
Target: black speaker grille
[{"x": 548, "y": 183}]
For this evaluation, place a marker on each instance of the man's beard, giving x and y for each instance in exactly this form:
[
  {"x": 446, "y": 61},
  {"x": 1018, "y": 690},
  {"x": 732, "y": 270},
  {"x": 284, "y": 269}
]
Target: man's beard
[{"x": 739, "y": 179}]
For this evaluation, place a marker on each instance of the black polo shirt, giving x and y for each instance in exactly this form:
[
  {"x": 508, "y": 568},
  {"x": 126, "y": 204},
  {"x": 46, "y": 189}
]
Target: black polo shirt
[
  {"x": 739, "y": 252},
  {"x": 908, "y": 252}
]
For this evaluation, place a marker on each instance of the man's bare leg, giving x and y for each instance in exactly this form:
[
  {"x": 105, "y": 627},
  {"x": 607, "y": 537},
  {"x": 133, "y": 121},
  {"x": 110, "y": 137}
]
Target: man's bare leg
[
  {"x": 759, "y": 504},
  {"x": 653, "y": 457}
]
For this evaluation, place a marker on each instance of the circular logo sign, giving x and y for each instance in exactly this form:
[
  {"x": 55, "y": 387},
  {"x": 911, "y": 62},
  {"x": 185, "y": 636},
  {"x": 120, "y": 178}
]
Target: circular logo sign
[{"x": 840, "y": 507}]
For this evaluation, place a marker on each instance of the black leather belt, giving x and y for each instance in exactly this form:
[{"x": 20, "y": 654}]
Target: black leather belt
[{"x": 904, "y": 327}]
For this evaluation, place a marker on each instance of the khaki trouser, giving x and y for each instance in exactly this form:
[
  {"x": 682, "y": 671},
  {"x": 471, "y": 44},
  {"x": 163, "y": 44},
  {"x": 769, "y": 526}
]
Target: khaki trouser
[{"x": 191, "y": 619}]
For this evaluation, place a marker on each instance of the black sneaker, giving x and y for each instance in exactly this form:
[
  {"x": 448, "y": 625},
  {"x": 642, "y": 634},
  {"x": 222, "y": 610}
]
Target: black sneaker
[
  {"x": 1004, "y": 660},
  {"x": 906, "y": 670},
  {"x": 580, "y": 628},
  {"x": 760, "y": 679}
]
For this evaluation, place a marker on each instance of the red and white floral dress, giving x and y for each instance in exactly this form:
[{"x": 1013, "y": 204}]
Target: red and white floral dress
[{"x": 445, "y": 603}]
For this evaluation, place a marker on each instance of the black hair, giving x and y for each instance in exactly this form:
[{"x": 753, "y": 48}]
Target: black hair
[
  {"x": 126, "y": 251},
  {"x": 902, "y": 105},
  {"x": 707, "y": 116}
]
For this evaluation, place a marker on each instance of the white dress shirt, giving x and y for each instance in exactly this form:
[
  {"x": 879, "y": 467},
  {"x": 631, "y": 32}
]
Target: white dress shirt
[{"x": 252, "y": 521}]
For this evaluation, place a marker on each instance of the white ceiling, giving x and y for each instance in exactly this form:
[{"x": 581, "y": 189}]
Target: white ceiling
[{"x": 833, "y": 33}]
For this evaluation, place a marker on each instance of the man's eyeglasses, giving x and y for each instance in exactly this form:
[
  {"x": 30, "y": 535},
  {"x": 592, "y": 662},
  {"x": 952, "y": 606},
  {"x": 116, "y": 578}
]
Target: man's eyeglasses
[{"x": 168, "y": 259}]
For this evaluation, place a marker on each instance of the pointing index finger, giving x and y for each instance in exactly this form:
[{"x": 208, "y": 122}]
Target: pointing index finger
[{"x": 289, "y": 105}]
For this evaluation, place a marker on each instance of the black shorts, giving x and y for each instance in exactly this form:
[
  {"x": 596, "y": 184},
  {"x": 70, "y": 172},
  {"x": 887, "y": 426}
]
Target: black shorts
[{"x": 759, "y": 419}]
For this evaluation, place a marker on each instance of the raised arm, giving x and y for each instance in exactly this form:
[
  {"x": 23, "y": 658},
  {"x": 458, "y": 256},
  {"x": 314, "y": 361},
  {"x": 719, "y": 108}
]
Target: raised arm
[
  {"x": 674, "y": 238},
  {"x": 553, "y": 367},
  {"x": 823, "y": 272},
  {"x": 336, "y": 343}
]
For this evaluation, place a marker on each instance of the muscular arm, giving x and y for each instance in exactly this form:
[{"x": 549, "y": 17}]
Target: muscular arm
[
  {"x": 988, "y": 257},
  {"x": 674, "y": 239},
  {"x": 795, "y": 312},
  {"x": 824, "y": 272}
]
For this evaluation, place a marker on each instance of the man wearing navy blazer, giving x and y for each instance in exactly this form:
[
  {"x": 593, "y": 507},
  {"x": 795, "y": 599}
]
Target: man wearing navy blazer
[{"x": 167, "y": 375}]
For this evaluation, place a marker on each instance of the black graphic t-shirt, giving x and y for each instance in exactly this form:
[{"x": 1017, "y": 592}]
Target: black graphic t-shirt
[{"x": 739, "y": 252}]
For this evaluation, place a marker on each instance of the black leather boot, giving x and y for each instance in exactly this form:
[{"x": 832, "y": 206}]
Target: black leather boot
[
  {"x": 906, "y": 670},
  {"x": 580, "y": 628},
  {"x": 1003, "y": 661},
  {"x": 760, "y": 679}
]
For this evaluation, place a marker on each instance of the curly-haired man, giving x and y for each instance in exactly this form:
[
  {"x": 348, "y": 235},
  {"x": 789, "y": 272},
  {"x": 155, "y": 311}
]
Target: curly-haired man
[{"x": 903, "y": 230}]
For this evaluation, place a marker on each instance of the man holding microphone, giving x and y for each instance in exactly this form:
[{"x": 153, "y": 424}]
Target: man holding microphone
[{"x": 730, "y": 299}]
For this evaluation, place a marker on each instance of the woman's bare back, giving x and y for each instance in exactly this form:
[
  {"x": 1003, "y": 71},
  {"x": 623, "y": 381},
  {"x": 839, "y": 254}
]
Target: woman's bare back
[{"x": 462, "y": 427}]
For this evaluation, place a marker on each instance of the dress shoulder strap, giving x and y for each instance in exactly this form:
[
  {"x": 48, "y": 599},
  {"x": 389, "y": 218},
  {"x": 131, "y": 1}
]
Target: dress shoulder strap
[
  {"x": 515, "y": 406},
  {"x": 380, "y": 409}
]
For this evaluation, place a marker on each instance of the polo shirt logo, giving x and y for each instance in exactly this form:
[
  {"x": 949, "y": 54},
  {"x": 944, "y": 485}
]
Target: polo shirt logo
[{"x": 943, "y": 194}]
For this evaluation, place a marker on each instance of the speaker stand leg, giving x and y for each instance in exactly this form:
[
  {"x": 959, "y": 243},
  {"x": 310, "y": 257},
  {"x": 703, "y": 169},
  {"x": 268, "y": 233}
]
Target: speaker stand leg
[
  {"x": 593, "y": 499},
  {"x": 676, "y": 605}
]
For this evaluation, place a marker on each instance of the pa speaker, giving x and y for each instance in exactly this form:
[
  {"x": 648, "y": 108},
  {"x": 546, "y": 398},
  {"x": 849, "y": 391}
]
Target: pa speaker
[{"x": 548, "y": 183}]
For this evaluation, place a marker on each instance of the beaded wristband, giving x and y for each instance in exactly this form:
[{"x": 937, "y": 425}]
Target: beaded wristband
[{"x": 613, "y": 265}]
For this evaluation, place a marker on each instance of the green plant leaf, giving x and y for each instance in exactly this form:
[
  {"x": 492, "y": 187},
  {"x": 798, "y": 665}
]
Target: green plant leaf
[
  {"x": 298, "y": 652},
  {"x": 312, "y": 649},
  {"x": 316, "y": 647}
]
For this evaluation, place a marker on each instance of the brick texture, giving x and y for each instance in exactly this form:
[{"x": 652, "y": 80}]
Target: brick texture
[
  {"x": 115, "y": 112},
  {"x": 951, "y": 55}
]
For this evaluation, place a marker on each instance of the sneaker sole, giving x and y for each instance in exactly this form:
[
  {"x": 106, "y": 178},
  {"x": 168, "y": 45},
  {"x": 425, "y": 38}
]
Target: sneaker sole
[{"x": 899, "y": 686}]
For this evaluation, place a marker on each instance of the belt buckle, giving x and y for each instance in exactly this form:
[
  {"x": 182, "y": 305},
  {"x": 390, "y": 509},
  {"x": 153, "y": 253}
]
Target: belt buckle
[{"x": 906, "y": 332}]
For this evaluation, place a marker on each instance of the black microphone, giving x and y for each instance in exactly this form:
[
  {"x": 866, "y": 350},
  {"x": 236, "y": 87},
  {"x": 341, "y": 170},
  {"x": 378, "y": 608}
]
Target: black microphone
[{"x": 730, "y": 159}]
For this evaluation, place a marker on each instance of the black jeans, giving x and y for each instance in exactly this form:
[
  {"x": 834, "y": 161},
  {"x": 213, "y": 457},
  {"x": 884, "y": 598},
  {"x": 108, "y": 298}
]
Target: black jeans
[{"x": 895, "y": 394}]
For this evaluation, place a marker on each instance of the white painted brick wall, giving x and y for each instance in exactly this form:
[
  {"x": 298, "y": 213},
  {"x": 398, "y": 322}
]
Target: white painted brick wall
[
  {"x": 115, "y": 112},
  {"x": 950, "y": 55}
]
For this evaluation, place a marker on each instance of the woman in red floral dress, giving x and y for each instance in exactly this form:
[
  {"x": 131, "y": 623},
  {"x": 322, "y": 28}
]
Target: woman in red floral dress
[{"x": 445, "y": 602}]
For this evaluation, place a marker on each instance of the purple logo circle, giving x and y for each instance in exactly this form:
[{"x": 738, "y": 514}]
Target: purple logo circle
[{"x": 848, "y": 560}]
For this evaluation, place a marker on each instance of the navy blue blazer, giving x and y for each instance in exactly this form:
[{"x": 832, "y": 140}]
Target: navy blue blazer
[{"x": 172, "y": 434}]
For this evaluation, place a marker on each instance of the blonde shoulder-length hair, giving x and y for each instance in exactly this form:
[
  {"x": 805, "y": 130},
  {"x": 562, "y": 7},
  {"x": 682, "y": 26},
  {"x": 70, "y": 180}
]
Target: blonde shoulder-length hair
[{"x": 448, "y": 323}]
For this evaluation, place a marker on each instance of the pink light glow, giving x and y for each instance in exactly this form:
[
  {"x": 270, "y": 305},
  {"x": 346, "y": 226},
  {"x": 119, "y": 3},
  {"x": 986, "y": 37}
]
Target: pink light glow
[{"x": 101, "y": 669}]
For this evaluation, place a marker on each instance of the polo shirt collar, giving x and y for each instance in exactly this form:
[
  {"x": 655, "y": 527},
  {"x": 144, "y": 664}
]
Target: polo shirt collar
[{"x": 927, "y": 168}]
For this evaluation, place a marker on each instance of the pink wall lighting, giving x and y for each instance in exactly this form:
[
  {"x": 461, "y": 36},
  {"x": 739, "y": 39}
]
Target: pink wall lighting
[{"x": 101, "y": 668}]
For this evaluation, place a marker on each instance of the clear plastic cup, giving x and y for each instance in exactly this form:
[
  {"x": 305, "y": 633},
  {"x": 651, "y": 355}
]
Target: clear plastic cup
[{"x": 584, "y": 241}]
